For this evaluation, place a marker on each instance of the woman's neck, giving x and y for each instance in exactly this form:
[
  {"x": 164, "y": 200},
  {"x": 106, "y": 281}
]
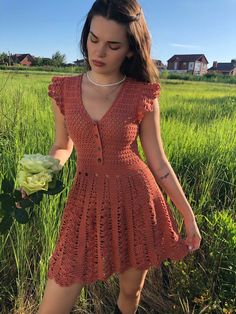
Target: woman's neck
[{"x": 106, "y": 78}]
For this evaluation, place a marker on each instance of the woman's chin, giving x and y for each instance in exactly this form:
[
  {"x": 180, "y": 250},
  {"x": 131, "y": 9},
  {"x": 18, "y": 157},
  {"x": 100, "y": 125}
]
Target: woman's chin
[{"x": 98, "y": 70}]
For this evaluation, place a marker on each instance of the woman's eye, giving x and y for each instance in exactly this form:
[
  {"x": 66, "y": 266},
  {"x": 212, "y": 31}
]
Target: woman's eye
[
  {"x": 92, "y": 40},
  {"x": 112, "y": 48},
  {"x": 95, "y": 41}
]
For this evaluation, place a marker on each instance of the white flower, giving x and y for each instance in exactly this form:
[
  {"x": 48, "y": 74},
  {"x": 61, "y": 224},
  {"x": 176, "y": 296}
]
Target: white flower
[
  {"x": 36, "y": 163},
  {"x": 36, "y": 171},
  {"x": 32, "y": 183}
]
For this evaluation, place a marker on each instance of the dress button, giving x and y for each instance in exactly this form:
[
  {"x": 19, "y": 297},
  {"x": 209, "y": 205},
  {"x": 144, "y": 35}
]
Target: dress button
[
  {"x": 99, "y": 159},
  {"x": 99, "y": 148},
  {"x": 96, "y": 135}
]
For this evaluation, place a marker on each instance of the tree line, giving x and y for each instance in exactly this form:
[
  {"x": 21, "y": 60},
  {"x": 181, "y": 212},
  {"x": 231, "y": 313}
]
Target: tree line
[{"x": 58, "y": 59}]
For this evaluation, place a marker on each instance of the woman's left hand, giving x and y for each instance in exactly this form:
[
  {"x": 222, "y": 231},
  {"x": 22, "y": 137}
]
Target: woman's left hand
[
  {"x": 193, "y": 236},
  {"x": 23, "y": 195}
]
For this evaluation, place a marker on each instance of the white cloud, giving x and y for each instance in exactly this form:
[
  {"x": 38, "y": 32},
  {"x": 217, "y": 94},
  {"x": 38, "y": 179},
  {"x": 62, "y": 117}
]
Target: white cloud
[{"x": 185, "y": 46}]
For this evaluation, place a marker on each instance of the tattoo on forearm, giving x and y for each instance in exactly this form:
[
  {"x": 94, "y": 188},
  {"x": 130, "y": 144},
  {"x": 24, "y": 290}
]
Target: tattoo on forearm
[{"x": 164, "y": 176}]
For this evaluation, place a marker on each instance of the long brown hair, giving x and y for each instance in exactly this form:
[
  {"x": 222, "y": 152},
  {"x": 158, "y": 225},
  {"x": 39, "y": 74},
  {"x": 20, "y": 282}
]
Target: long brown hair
[{"x": 128, "y": 12}]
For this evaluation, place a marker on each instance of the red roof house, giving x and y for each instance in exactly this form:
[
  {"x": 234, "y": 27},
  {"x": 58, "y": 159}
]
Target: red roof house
[
  {"x": 23, "y": 59},
  {"x": 195, "y": 64}
]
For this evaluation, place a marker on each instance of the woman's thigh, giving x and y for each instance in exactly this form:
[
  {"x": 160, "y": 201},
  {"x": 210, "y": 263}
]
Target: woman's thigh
[{"x": 58, "y": 299}]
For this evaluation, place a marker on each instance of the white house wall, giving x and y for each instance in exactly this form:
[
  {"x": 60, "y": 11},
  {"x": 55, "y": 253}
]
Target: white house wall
[
  {"x": 190, "y": 66},
  {"x": 197, "y": 66}
]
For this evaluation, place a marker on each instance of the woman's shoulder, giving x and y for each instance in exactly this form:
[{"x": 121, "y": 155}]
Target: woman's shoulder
[
  {"x": 72, "y": 78},
  {"x": 63, "y": 84},
  {"x": 149, "y": 89},
  {"x": 71, "y": 81},
  {"x": 66, "y": 77},
  {"x": 142, "y": 94}
]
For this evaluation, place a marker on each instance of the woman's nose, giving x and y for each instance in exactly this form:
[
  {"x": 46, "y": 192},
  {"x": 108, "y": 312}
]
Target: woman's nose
[{"x": 101, "y": 51}]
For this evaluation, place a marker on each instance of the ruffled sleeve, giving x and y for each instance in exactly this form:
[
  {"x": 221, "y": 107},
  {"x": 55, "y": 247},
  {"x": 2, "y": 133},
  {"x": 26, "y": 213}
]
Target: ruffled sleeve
[
  {"x": 56, "y": 91},
  {"x": 148, "y": 93}
]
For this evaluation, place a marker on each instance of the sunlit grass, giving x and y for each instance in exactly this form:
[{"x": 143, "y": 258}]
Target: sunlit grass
[{"x": 198, "y": 128}]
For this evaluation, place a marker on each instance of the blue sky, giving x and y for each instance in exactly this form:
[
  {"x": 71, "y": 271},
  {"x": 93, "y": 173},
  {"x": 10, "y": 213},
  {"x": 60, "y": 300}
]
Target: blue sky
[{"x": 177, "y": 27}]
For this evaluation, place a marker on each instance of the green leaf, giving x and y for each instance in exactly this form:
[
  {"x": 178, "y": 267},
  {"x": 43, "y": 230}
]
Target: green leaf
[
  {"x": 10, "y": 210},
  {"x": 58, "y": 188},
  {"x": 5, "y": 198},
  {"x": 5, "y": 224},
  {"x": 17, "y": 195},
  {"x": 7, "y": 185},
  {"x": 21, "y": 215},
  {"x": 52, "y": 184},
  {"x": 37, "y": 197},
  {"x": 7, "y": 201},
  {"x": 25, "y": 202}
]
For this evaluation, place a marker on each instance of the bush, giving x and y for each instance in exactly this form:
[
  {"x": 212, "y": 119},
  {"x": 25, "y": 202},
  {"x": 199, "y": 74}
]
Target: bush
[
  {"x": 46, "y": 68},
  {"x": 209, "y": 77}
]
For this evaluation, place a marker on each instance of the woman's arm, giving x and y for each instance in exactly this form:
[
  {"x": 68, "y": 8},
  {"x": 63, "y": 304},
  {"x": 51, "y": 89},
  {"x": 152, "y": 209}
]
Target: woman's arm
[
  {"x": 150, "y": 137},
  {"x": 63, "y": 144}
]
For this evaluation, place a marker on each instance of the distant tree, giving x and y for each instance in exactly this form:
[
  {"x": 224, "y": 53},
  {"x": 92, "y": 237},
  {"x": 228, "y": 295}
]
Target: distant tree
[
  {"x": 58, "y": 59},
  {"x": 39, "y": 61},
  {"x": 4, "y": 58},
  {"x": 47, "y": 61}
]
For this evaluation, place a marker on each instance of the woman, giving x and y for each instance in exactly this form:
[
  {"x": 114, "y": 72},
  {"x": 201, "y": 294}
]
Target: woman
[{"x": 116, "y": 218}]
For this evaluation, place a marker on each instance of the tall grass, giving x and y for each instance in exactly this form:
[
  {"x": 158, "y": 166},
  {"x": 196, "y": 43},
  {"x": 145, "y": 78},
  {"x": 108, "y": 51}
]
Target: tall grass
[
  {"x": 198, "y": 128},
  {"x": 199, "y": 131},
  {"x": 208, "y": 77}
]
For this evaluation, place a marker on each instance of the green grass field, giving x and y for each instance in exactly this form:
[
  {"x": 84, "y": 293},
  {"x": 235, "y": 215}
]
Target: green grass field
[{"x": 198, "y": 127}]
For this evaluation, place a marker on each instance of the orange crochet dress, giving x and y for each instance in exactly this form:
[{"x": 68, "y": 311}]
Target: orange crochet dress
[{"x": 115, "y": 216}]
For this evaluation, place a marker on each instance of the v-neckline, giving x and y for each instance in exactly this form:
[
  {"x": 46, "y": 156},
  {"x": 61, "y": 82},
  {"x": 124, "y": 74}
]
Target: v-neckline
[{"x": 118, "y": 96}]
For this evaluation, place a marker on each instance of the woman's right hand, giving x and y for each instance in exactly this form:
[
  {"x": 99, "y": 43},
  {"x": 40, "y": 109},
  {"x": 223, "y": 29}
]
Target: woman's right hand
[{"x": 193, "y": 238}]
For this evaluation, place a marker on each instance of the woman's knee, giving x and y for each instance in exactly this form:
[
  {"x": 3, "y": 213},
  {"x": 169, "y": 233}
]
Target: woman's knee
[
  {"x": 132, "y": 282},
  {"x": 131, "y": 292},
  {"x": 58, "y": 299}
]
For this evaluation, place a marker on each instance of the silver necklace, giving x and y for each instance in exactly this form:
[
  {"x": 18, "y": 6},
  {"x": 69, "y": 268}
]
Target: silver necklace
[{"x": 105, "y": 85}]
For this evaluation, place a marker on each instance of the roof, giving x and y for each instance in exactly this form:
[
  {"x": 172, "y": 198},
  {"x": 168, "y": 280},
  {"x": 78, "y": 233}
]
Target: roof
[
  {"x": 187, "y": 58},
  {"x": 223, "y": 66},
  {"x": 21, "y": 56},
  {"x": 158, "y": 63}
]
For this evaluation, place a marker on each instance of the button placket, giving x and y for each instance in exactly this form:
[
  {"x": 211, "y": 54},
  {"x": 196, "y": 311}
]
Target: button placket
[{"x": 98, "y": 144}]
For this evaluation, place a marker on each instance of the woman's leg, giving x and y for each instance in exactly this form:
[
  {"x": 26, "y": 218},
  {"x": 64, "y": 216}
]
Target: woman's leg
[
  {"x": 131, "y": 284},
  {"x": 57, "y": 299}
]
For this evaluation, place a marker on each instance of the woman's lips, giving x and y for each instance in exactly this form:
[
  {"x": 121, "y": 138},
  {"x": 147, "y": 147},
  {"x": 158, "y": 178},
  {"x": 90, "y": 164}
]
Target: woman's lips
[{"x": 98, "y": 63}]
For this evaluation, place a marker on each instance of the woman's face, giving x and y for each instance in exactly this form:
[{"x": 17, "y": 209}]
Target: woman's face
[{"x": 107, "y": 43}]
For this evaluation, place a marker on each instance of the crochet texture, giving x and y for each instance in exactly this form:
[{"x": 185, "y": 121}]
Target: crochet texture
[{"x": 115, "y": 215}]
